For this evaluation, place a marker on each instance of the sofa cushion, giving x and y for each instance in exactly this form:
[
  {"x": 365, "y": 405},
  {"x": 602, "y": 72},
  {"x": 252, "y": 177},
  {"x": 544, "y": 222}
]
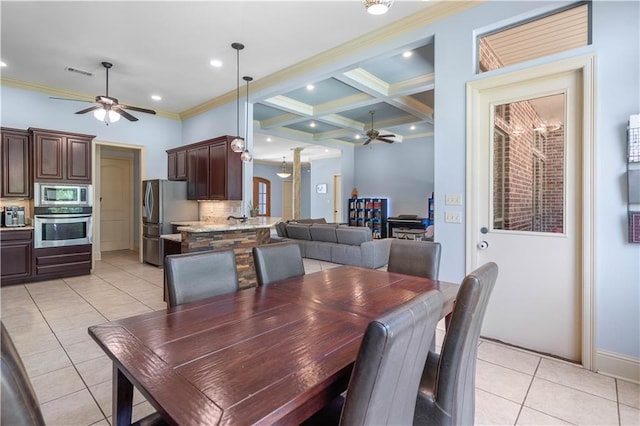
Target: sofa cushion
[
  {"x": 325, "y": 233},
  {"x": 319, "y": 220},
  {"x": 298, "y": 232},
  {"x": 281, "y": 229},
  {"x": 353, "y": 235}
]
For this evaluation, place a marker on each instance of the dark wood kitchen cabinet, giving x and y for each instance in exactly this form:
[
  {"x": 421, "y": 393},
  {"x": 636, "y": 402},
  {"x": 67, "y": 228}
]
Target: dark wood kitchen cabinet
[
  {"x": 62, "y": 156},
  {"x": 16, "y": 248},
  {"x": 214, "y": 171},
  {"x": 56, "y": 262},
  {"x": 17, "y": 179},
  {"x": 177, "y": 164}
]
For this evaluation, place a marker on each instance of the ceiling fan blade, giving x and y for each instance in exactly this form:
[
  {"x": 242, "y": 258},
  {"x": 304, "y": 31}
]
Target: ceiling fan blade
[
  {"x": 385, "y": 140},
  {"x": 386, "y": 136},
  {"x": 367, "y": 141},
  {"x": 133, "y": 108},
  {"x": 70, "y": 99},
  {"x": 93, "y": 108},
  {"x": 124, "y": 113}
]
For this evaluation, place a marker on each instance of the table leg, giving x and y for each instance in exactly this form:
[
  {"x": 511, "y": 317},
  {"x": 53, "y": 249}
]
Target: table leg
[{"x": 122, "y": 398}]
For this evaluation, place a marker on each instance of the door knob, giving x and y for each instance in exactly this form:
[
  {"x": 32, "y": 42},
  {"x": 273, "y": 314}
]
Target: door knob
[{"x": 483, "y": 245}]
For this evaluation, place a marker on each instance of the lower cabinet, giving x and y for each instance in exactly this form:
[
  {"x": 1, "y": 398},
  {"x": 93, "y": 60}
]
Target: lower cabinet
[
  {"x": 55, "y": 262},
  {"x": 15, "y": 256}
]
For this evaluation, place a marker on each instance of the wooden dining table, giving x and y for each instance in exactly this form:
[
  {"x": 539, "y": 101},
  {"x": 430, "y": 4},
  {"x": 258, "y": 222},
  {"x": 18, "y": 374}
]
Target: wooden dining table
[{"x": 265, "y": 355}]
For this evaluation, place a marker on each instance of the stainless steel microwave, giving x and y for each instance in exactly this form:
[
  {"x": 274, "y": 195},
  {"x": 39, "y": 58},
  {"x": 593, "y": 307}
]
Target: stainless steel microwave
[{"x": 59, "y": 194}]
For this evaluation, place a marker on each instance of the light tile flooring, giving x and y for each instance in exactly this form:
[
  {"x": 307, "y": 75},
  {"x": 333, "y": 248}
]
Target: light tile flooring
[{"x": 72, "y": 377}]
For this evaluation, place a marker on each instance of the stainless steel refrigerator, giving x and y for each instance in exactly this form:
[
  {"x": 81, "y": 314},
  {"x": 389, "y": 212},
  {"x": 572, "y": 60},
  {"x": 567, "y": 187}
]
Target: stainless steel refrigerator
[{"x": 163, "y": 202}]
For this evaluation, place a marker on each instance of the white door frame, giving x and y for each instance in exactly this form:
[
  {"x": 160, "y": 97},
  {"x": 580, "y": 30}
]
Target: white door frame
[{"x": 585, "y": 65}]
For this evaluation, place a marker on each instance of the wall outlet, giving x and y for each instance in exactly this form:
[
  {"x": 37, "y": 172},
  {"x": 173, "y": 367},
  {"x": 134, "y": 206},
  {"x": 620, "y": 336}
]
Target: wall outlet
[
  {"x": 453, "y": 199},
  {"x": 452, "y": 217}
]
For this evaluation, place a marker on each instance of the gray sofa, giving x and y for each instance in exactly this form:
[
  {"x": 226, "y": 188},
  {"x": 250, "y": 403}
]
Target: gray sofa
[{"x": 347, "y": 245}]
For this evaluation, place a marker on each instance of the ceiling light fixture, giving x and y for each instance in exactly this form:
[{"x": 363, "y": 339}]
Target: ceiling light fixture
[
  {"x": 102, "y": 114},
  {"x": 3, "y": 64},
  {"x": 310, "y": 87},
  {"x": 237, "y": 144},
  {"x": 377, "y": 7},
  {"x": 313, "y": 124},
  {"x": 246, "y": 155},
  {"x": 215, "y": 63},
  {"x": 407, "y": 54},
  {"x": 156, "y": 97},
  {"x": 283, "y": 172}
]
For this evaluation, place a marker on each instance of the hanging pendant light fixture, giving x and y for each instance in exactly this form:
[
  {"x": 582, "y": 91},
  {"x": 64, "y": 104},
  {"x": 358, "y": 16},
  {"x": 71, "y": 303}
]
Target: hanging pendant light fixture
[
  {"x": 377, "y": 7},
  {"x": 283, "y": 172},
  {"x": 237, "y": 144},
  {"x": 246, "y": 155}
]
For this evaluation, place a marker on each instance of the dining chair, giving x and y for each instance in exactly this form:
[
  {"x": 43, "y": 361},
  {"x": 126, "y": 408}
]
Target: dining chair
[
  {"x": 19, "y": 402},
  {"x": 277, "y": 261},
  {"x": 386, "y": 373},
  {"x": 196, "y": 276},
  {"x": 417, "y": 258},
  {"x": 447, "y": 386}
]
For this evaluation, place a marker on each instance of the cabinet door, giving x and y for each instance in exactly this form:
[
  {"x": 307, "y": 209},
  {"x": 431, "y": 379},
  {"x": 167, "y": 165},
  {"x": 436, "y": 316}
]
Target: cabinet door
[
  {"x": 171, "y": 166},
  {"x": 15, "y": 259},
  {"x": 48, "y": 159},
  {"x": 181, "y": 165},
  {"x": 78, "y": 159},
  {"x": 217, "y": 171},
  {"x": 16, "y": 164},
  {"x": 198, "y": 170}
]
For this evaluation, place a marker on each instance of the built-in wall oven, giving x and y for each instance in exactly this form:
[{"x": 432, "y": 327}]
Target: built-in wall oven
[{"x": 62, "y": 215}]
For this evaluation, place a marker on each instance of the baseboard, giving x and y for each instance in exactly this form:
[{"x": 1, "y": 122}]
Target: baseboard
[
  {"x": 617, "y": 365},
  {"x": 97, "y": 255}
]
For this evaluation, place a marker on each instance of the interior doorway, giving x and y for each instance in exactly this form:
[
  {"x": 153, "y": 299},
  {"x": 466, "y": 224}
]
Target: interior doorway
[{"x": 532, "y": 218}]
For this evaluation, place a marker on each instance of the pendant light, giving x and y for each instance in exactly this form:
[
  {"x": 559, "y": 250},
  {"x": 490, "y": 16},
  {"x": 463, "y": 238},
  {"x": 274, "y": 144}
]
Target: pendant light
[
  {"x": 246, "y": 156},
  {"x": 283, "y": 172},
  {"x": 237, "y": 144}
]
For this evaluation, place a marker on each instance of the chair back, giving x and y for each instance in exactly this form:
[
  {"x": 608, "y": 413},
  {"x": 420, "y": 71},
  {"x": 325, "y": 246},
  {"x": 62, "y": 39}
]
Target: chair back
[
  {"x": 19, "y": 403},
  {"x": 196, "y": 276},
  {"x": 454, "y": 390},
  {"x": 392, "y": 355},
  {"x": 417, "y": 258},
  {"x": 277, "y": 261}
]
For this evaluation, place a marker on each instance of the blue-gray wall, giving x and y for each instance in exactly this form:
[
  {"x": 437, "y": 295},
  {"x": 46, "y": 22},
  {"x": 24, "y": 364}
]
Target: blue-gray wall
[
  {"x": 322, "y": 172},
  {"x": 268, "y": 172}
]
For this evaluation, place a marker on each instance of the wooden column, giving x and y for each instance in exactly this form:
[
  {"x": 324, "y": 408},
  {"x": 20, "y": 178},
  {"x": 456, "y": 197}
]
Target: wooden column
[{"x": 296, "y": 182}]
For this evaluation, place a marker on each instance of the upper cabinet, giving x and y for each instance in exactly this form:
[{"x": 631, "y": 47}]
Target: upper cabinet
[
  {"x": 16, "y": 163},
  {"x": 177, "y": 164},
  {"x": 212, "y": 170},
  {"x": 61, "y": 156}
]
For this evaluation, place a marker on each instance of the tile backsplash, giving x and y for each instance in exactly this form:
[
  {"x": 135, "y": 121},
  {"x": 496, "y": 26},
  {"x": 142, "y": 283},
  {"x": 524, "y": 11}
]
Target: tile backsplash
[{"x": 214, "y": 211}]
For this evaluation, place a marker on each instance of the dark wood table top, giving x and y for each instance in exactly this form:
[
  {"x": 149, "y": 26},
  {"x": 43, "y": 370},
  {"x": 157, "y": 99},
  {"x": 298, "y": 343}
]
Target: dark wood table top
[{"x": 269, "y": 355}]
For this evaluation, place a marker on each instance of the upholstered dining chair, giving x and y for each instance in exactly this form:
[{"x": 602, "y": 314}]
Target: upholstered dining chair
[
  {"x": 447, "y": 386},
  {"x": 196, "y": 276},
  {"x": 19, "y": 402},
  {"x": 386, "y": 374},
  {"x": 277, "y": 261},
  {"x": 417, "y": 258}
]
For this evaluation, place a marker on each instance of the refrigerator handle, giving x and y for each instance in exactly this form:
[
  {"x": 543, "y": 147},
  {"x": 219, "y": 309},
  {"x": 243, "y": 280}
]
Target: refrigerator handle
[
  {"x": 145, "y": 200},
  {"x": 150, "y": 202}
]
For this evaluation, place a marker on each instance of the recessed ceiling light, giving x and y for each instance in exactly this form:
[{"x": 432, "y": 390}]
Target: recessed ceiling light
[
  {"x": 310, "y": 87},
  {"x": 268, "y": 139},
  {"x": 326, "y": 150},
  {"x": 156, "y": 97},
  {"x": 3, "y": 64},
  {"x": 313, "y": 124},
  {"x": 407, "y": 54},
  {"x": 216, "y": 63},
  {"x": 357, "y": 136},
  {"x": 412, "y": 127}
]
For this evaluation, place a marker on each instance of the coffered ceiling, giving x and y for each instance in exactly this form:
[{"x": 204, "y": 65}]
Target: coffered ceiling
[{"x": 164, "y": 48}]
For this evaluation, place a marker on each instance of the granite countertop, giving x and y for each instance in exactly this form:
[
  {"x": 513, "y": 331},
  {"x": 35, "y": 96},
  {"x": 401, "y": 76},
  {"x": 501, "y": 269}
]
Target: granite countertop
[
  {"x": 173, "y": 237},
  {"x": 16, "y": 228},
  {"x": 227, "y": 225}
]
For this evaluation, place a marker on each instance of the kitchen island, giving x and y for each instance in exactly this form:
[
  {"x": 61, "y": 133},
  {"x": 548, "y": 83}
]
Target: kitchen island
[{"x": 233, "y": 234}]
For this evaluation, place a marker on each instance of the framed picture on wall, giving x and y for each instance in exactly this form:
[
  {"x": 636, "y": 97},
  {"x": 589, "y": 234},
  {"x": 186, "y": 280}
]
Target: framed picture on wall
[{"x": 321, "y": 188}]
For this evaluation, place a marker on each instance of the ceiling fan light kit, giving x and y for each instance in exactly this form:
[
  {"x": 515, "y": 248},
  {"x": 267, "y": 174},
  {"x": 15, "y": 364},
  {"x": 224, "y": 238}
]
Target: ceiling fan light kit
[
  {"x": 237, "y": 144},
  {"x": 377, "y": 7}
]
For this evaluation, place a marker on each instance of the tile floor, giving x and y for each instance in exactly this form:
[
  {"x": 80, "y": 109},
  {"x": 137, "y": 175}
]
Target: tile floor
[{"x": 72, "y": 377}]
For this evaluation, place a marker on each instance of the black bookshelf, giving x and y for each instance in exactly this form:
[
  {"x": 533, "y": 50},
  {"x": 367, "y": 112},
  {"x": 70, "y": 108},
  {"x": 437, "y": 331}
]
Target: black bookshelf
[{"x": 370, "y": 212}]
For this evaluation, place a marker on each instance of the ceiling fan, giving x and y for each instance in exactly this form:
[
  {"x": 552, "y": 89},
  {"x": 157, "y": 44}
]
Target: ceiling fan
[
  {"x": 108, "y": 108},
  {"x": 373, "y": 134}
]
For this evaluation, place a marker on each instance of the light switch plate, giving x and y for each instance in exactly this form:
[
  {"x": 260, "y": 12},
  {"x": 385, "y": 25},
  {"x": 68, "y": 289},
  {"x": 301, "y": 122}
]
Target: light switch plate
[
  {"x": 453, "y": 199},
  {"x": 452, "y": 217}
]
